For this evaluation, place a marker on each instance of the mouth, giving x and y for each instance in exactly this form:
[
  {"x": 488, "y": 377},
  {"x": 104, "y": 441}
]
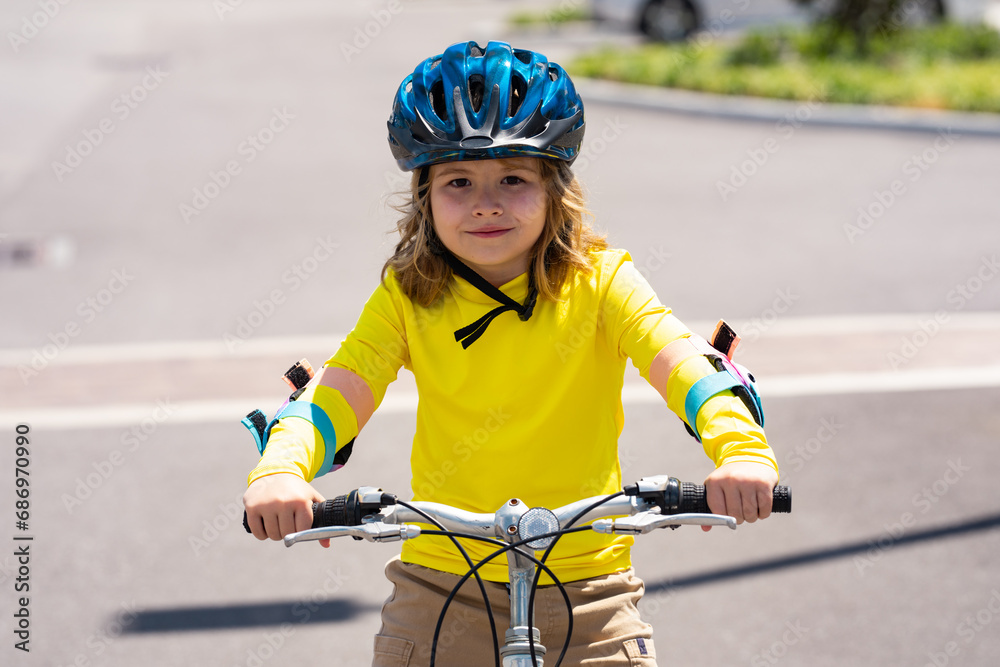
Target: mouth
[{"x": 490, "y": 232}]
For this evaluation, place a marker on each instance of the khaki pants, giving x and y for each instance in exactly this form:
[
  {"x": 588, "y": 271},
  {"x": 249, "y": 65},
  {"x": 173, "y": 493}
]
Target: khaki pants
[{"x": 607, "y": 630}]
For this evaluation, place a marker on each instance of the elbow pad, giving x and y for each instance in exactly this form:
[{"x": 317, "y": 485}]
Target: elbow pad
[
  {"x": 324, "y": 418},
  {"x": 729, "y": 376}
]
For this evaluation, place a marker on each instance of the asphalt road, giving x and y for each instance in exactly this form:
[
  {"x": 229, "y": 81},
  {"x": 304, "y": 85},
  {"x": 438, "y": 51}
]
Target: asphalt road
[{"x": 195, "y": 194}]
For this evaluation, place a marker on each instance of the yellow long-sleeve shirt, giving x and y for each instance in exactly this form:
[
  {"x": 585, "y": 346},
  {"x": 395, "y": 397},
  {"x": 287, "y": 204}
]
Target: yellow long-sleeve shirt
[{"x": 532, "y": 409}]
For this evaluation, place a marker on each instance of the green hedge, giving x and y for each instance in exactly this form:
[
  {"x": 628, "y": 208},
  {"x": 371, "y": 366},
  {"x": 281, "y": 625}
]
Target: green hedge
[{"x": 945, "y": 67}]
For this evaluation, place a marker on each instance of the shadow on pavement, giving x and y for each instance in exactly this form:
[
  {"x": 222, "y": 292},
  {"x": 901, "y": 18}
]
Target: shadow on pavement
[
  {"x": 188, "y": 619},
  {"x": 879, "y": 544}
]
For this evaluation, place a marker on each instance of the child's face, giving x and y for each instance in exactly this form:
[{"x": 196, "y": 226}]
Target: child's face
[{"x": 489, "y": 213}]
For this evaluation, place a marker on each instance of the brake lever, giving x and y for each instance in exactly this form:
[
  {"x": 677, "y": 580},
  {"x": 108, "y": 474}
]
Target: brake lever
[
  {"x": 646, "y": 522},
  {"x": 375, "y": 531}
]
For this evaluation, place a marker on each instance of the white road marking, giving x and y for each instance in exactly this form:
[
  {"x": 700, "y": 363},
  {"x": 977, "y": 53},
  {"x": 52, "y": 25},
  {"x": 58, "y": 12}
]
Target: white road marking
[
  {"x": 836, "y": 325},
  {"x": 405, "y": 402},
  {"x": 71, "y": 355}
]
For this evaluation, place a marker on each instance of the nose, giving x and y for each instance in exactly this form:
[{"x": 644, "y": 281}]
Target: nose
[{"x": 487, "y": 204}]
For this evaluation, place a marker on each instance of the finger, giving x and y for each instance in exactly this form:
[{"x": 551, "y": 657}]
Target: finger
[
  {"x": 734, "y": 503},
  {"x": 304, "y": 516},
  {"x": 716, "y": 498},
  {"x": 749, "y": 506},
  {"x": 287, "y": 520},
  {"x": 256, "y": 524},
  {"x": 765, "y": 501},
  {"x": 272, "y": 530}
]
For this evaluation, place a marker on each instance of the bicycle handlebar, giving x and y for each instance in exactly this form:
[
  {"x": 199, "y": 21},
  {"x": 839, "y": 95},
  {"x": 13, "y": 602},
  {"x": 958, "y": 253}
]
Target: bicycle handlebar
[
  {"x": 661, "y": 496},
  {"x": 673, "y": 497}
]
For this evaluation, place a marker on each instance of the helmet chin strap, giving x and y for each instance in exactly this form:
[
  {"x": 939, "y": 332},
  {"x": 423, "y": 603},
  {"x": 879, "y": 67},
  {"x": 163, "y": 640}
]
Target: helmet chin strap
[{"x": 468, "y": 335}]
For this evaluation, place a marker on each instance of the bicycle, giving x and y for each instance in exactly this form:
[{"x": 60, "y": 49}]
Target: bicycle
[{"x": 518, "y": 531}]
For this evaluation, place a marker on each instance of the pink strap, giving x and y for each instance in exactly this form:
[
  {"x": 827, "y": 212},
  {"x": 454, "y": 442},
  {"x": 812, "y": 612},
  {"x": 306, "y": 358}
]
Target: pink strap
[{"x": 675, "y": 352}]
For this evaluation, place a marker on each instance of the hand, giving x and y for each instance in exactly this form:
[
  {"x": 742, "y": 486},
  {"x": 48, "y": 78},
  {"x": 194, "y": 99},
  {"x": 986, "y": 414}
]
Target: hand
[
  {"x": 281, "y": 504},
  {"x": 742, "y": 489}
]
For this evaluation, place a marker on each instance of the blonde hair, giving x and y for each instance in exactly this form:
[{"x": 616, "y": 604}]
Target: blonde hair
[{"x": 565, "y": 244}]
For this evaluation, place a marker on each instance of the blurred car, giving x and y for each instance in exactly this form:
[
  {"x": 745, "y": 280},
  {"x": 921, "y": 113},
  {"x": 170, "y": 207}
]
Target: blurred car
[
  {"x": 662, "y": 20},
  {"x": 674, "y": 20}
]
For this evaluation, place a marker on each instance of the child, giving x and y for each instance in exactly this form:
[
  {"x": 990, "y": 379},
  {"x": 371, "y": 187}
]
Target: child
[{"x": 496, "y": 223}]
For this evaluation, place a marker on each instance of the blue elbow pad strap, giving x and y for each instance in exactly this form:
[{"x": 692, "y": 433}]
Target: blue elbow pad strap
[
  {"x": 730, "y": 376},
  {"x": 315, "y": 415},
  {"x": 297, "y": 378}
]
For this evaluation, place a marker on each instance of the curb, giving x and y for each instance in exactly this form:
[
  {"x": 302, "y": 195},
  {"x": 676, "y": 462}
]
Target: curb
[{"x": 802, "y": 112}]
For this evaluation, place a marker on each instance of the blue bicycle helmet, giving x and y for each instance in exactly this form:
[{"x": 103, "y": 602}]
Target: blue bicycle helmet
[{"x": 471, "y": 104}]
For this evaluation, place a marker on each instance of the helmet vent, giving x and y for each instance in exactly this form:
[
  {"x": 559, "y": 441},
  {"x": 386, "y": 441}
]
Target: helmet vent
[
  {"x": 437, "y": 100},
  {"x": 477, "y": 90},
  {"x": 518, "y": 89}
]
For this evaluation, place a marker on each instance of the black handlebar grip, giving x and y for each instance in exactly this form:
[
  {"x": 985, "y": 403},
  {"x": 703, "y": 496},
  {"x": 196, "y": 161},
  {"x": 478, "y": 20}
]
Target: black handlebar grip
[
  {"x": 326, "y": 513},
  {"x": 693, "y": 499},
  {"x": 331, "y": 512},
  {"x": 782, "y": 499}
]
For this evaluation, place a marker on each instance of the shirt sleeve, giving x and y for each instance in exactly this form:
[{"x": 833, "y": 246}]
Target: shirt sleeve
[
  {"x": 641, "y": 326},
  {"x": 638, "y": 324},
  {"x": 377, "y": 347}
]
